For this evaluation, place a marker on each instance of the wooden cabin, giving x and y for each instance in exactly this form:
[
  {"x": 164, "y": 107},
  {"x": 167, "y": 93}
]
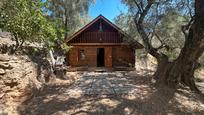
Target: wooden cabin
[{"x": 101, "y": 44}]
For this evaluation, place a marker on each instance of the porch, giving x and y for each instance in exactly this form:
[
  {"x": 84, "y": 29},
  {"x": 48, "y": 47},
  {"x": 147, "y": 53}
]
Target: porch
[{"x": 99, "y": 69}]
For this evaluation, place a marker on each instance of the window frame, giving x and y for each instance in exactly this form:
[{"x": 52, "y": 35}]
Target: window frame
[{"x": 81, "y": 54}]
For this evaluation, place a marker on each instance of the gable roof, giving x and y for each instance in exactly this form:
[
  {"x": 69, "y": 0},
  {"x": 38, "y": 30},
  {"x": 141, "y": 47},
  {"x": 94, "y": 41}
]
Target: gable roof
[{"x": 107, "y": 21}]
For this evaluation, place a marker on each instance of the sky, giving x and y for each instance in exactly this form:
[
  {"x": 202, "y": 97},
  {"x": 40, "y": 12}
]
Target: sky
[{"x": 108, "y": 8}]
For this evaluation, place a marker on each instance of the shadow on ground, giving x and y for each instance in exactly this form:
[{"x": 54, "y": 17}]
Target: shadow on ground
[{"x": 147, "y": 100}]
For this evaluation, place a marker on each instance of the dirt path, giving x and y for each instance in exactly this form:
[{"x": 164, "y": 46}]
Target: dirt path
[{"x": 145, "y": 100}]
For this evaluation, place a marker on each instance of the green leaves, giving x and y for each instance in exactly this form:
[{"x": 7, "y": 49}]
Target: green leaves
[{"x": 26, "y": 21}]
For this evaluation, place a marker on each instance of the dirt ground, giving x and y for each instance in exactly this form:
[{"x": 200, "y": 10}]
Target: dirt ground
[{"x": 148, "y": 100}]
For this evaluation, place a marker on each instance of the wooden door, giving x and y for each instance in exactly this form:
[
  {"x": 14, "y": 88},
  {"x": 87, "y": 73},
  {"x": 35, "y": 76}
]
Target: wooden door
[{"x": 108, "y": 57}]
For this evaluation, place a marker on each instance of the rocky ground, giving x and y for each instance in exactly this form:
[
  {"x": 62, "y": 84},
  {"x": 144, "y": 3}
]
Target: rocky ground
[
  {"x": 17, "y": 73},
  {"x": 19, "y": 82},
  {"x": 20, "y": 75}
]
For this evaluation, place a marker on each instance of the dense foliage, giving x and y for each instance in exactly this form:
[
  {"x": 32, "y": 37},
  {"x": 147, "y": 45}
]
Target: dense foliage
[{"x": 26, "y": 21}]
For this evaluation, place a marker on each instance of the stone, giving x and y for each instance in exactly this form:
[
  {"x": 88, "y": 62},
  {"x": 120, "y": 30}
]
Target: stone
[
  {"x": 4, "y": 58},
  {"x": 2, "y": 71},
  {"x": 5, "y": 66},
  {"x": 11, "y": 82},
  {"x": 1, "y": 95},
  {"x": 6, "y": 89}
]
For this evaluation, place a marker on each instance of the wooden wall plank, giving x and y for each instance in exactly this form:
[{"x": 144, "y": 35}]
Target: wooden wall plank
[
  {"x": 108, "y": 57},
  {"x": 120, "y": 55}
]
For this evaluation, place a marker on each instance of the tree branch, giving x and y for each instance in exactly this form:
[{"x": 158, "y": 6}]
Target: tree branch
[
  {"x": 145, "y": 11},
  {"x": 190, "y": 11},
  {"x": 141, "y": 4},
  {"x": 138, "y": 6},
  {"x": 139, "y": 19},
  {"x": 185, "y": 28},
  {"x": 163, "y": 45},
  {"x": 22, "y": 42},
  {"x": 16, "y": 40}
]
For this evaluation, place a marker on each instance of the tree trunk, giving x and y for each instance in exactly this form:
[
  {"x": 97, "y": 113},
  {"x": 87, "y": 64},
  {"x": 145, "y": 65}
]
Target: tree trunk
[
  {"x": 52, "y": 58},
  {"x": 22, "y": 42},
  {"x": 17, "y": 41},
  {"x": 66, "y": 24},
  {"x": 178, "y": 71},
  {"x": 182, "y": 69}
]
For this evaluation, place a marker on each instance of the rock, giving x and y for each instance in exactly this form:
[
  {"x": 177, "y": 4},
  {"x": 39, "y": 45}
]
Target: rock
[
  {"x": 5, "y": 65},
  {"x": 14, "y": 58},
  {"x": 4, "y": 58},
  {"x": 7, "y": 89},
  {"x": 15, "y": 94},
  {"x": 11, "y": 84},
  {"x": 2, "y": 72},
  {"x": 1, "y": 95}
]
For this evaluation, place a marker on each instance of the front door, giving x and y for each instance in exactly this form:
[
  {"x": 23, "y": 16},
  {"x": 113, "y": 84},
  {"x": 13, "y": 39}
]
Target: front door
[
  {"x": 108, "y": 57},
  {"x": 100, "y": 57}
]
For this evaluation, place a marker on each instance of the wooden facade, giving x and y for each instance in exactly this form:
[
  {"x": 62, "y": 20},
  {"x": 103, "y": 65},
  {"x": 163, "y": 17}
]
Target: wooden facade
[{"x": 100, "y": 44}]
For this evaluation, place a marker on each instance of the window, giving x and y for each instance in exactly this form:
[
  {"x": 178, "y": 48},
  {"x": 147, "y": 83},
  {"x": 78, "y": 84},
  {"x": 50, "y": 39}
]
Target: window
[{"x": 82, "y": 54}]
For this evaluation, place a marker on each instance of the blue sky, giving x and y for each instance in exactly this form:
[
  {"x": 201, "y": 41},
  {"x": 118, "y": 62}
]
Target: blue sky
[{"x": 108, "y": 8}]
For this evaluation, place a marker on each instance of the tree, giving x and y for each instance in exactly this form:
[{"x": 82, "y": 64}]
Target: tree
[
  {"x": 26, "y": 21},
  {"x": 169, "y": 31},
  {"x": 69, "y": 15},
  {"x": 126, "y": 23},
  {"x": 180, "y": 70}
]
